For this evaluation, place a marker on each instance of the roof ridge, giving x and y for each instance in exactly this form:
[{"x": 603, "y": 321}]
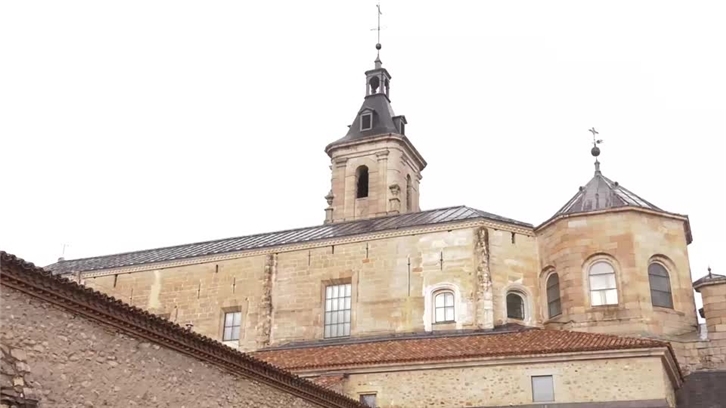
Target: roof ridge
[
  {"x": 256, "y": 234},
  {"x": 278, "y": 238},
  {"x": 396, "y": 337},
  {"x": 35, "y": 281}
]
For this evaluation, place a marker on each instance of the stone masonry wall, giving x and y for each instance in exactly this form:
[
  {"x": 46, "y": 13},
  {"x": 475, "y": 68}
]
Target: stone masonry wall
[
  {"x": 200, "y": 294},
  {"x": 64, "y": 360},
  {"x": 629, "y": 240},
  {"x": 281, "y": 296},
  {"x": 627, "y": 379}
]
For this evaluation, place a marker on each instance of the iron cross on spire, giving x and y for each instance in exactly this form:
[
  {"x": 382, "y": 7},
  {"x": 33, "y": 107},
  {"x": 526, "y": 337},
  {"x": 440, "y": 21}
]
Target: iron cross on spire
[
  {"x": 378, "y": 29},
  {"x": 594, "y": 132},
  {"x": 595, "y": 151}
]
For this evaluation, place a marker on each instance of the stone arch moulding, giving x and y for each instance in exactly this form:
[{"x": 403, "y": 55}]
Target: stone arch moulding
[
  {"x": 460, "y": 307},
  {"x": 589, "y": 262},
  {"x": 527, "y": 297}
]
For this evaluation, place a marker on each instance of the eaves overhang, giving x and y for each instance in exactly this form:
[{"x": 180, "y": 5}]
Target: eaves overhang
[{"x": 680, "y": 217}]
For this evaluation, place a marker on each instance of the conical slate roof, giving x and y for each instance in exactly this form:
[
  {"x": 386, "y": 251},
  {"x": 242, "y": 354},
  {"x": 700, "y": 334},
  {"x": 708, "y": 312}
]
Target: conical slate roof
[{"x": 601, "y": 193}]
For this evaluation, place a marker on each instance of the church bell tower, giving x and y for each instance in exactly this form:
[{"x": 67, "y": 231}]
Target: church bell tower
[{"x": 375, "y": 168}]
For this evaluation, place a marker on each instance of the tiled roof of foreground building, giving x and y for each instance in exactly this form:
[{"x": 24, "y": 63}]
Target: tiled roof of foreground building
[
  {"x": 27, "y": 278},
  {"x": 509, "y": 341},
  {"x": 271, "y": 239}
]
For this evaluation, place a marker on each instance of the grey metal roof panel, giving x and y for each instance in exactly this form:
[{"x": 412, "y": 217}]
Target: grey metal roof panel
[
  {"x": 601, "y": 193},
  {"x": 382, "y": 119},
  {"x": 309, "y": 234}
]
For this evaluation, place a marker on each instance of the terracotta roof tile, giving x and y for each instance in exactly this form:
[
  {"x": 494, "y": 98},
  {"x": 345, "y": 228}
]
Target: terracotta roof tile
[{"x": 520, "y": 343}]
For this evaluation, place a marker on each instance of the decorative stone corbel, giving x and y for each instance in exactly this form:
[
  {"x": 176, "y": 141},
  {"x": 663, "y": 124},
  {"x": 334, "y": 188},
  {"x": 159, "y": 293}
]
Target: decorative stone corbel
[{"x": 394, "y": 203}]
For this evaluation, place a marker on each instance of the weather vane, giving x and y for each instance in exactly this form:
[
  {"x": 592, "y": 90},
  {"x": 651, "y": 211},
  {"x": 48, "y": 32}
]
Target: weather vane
[
  {"x": 595, "y": 151},
  {"x": 378, "y": 29}
]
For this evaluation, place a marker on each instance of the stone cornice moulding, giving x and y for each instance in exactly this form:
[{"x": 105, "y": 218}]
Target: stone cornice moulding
[
  {"x": 302, "y": 246},
  {"x": 382, "y": 137},
  {"x": 665, "y": 214},
  {"x": 663, "y": 352}
]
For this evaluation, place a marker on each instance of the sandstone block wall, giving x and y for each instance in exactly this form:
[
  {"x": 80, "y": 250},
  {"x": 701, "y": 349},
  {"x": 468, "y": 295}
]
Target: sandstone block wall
[
  {"x": 629, "y": 379},
  {"x": 281, "y": 296},
  {"x": 64, "y": 360},
  {"x": 198, "y": 294},
  {"x": 629, "y": 240},
  {"x": 389, "y": 162}
]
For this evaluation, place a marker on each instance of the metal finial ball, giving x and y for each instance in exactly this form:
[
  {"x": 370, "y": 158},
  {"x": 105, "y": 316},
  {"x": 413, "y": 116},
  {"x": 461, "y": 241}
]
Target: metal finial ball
[
  {"x": 378, "y": 46},
  {"x": 595, "y": 151}
]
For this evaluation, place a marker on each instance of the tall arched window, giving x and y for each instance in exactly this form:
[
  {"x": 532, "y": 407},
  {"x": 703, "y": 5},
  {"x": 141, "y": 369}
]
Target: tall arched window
[
  {"x": 444, "y": 307},
  {"x": 554, "y": 307},
  {"x": 660, "y": 286},
  {"x": 603, "y": 289},
  {"x": 515, "y": 306},
  {"x": 361, "y": 187},
  {"x": 409, "y": 194}
]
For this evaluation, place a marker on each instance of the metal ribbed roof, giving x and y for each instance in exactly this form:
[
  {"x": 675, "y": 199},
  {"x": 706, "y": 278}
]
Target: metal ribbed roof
[
  {"x": 601, "y": 193},
  {"x": 320, "y": 232}
]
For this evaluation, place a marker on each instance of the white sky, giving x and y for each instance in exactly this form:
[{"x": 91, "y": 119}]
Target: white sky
[{"x": 137, "y": 124}]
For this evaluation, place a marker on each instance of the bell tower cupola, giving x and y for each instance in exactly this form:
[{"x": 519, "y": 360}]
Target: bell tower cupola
[{"x": 375, "y": 169}]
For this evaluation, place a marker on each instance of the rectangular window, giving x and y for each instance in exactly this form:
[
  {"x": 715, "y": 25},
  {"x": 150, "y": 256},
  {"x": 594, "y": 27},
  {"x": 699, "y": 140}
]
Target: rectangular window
[
  {"x": 366, "y": 121},
  {"x": 232, "y": 323},
  {"x": 543, "y": 389},
  {"x": 368, "y": 400},
  {"x": 337, "y": 310}
]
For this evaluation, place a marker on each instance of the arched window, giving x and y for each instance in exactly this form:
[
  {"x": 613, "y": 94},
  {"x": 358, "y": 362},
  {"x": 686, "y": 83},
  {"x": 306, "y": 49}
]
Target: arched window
[
  {"x": 361, "y": 188},
  {"x": 660, "y": 286},
  {"x": 603, "y": 289},
  {"x": 409, "y": 193},
  {"x": 444, "y": 307},
  {"x": 515, "y": 306},
  {"x": 554, "y": 307}
]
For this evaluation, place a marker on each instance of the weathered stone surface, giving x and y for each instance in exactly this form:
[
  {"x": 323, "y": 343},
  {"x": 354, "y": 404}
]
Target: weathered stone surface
[
  {"x": 83, "y": 363},
  {"x": 505, "y": 385}
]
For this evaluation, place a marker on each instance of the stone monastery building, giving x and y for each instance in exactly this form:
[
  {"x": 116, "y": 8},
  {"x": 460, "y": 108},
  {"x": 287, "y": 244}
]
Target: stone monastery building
[{"x": 395, "y": 306}]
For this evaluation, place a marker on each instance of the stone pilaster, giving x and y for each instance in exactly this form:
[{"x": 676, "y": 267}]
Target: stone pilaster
[
  {"x": 264, "y": 325},
  {"x": 484, "y": 293}
]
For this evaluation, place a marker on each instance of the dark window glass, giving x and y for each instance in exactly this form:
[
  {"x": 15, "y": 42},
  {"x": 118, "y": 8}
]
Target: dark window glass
[
  {"x": 366, "y": 121},
  {"x": 660, "y": 286},
  {"x": 362, "y": 182},
  {"x": 515, "y": 306},
  {"x": 554, "y": 306}
]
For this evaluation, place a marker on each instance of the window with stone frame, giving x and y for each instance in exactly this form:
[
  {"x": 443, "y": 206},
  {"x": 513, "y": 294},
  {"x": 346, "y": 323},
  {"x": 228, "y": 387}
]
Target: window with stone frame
[
  {"x": 543, "y": 389},
  {"x": 603, "y": 288},
  {"x": 554, "y": 306},
  {"x": 515, "y": 306},
  {"x": 444, "y": 309},
  {"x": 660, "y": 286},
  {"x": 369, "y": 400},
  {"x": 232, "y": 325},
  {"x": 337, "y": 310}
]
